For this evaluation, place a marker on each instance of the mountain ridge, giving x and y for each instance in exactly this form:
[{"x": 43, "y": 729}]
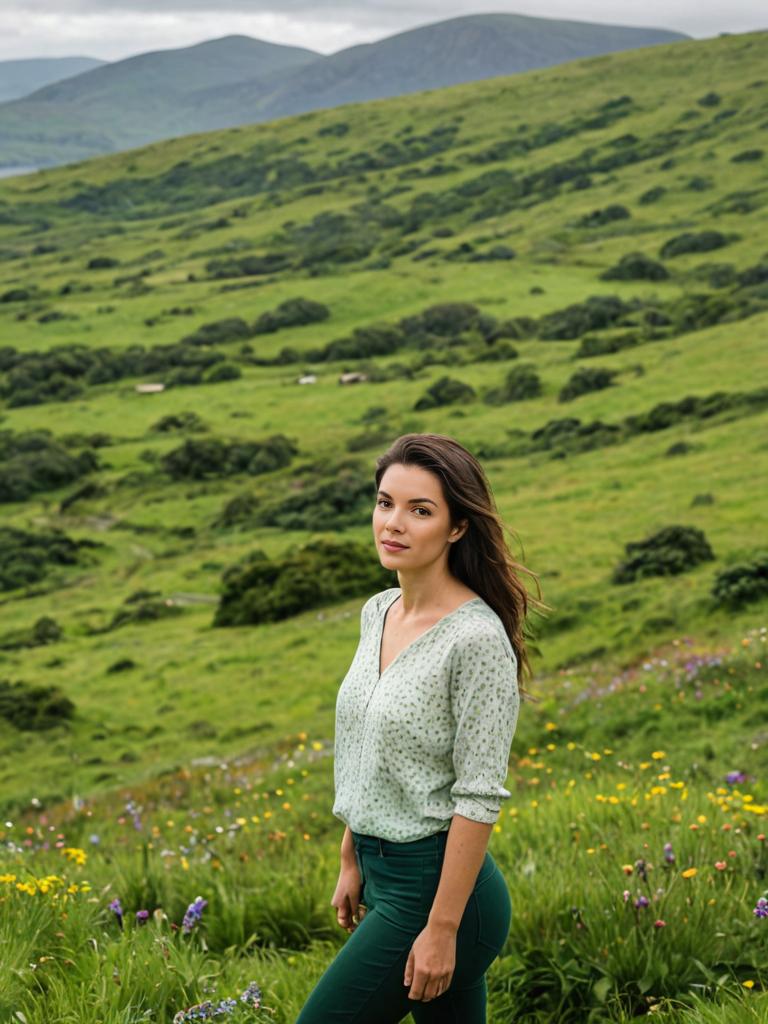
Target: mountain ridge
[{"x": 106, "y": 109}]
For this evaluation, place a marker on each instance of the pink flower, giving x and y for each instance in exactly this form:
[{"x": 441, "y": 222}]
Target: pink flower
[{"x": 659, "y": 924}]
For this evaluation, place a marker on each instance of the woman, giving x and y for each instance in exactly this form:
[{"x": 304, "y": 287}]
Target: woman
[{"x": 424, "y": 723}]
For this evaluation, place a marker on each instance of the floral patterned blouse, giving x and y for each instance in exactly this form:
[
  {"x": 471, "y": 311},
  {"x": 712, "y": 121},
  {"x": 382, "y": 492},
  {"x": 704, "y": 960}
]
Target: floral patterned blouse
[{"x": 429, "y": 737}]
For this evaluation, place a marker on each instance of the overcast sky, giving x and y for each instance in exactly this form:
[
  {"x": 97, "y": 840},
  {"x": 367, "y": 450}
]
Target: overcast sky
[{"x": 111, "y": 29}]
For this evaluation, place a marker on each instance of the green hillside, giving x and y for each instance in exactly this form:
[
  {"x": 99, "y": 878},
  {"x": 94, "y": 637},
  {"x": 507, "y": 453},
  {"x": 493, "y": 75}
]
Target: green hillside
[
  {"x": 238, "y": 80},
  {"x": 565, "y": 270},
  {"x": 378, "y": 213},
  {"x": 20, "y": 77}
]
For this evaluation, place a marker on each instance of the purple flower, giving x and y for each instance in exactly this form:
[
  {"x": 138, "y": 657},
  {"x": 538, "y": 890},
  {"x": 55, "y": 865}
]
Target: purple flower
[
  {"x": 252, "y": 994},
  {"x": 142, "y": 916},
  {"x": 761, "y": 908},
  {"x": 117, "y": 909},
  {"x": 193, "y": 914},
  {"x": 669, "y": 856},
  {"x": 642, "y": 901},
  {"x": 733, "y": 777}
]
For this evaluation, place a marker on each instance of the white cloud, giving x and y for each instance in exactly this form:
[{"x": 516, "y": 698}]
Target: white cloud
[{"x": 112, "y": 29}]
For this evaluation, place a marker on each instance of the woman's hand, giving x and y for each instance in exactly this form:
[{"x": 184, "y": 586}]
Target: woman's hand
[
  {"x": 431, "y": 963},
  {"x": 346, "y": 898}
]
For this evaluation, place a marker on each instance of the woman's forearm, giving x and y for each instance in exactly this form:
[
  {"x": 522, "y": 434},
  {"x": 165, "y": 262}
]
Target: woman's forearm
[
  {"x": 465, "y": 851},
  {"x": 347, "y": 846}
]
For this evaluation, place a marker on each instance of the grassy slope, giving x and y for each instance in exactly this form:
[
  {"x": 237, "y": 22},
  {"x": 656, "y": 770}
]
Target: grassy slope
[{"x": 573, "y": 516}]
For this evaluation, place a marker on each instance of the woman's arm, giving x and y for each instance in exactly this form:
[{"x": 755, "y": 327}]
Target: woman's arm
[
  {"x": 347, "y": 851},
  {"x": 464, "y": 854},
  {"x": 432, "y": 959}
]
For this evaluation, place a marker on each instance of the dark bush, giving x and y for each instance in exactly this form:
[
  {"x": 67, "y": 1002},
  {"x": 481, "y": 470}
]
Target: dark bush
[
  {"x": 218, "y": 332},
  {"x": 635, "y": 266},
  {"x": 212, "y": 457},
  {"x": 321, "y": 573},
  {"x": 747, "y": 155},
  {"x": 499, "y": 352},
  {"x": 344, "y": 496},
  {"x": 102, "y": 263},
  {"x": 584, "y": 380},
  {"x": 703, "y": 241},
  {"x": 223, "y": 372},
  {"x": 444, "y": 320},
  {"x": 26, "y": 557},
  {"x": 592, "y": 345},
  {"x": 238, "y": 511},
  {"x": 248, "y": 266},
  {"x": 45, "y": 631},
  {"x": 652, "y": 195},
  {"x": 291, "y": 313},
  {"x": 521, "y": 382},
  {"x": 17, "y": 295},
  {"x": 597, "y": 312},
  {"x": 179, "y": 421},
  {"x": 135, "y": 611},
  {"x": 33, "y": 708},
  {"x": 669, "y": 551},
  {"x": 445, "y": 391},
  {"x": 742, "y": 584},
  {"x": 33, "y": 461},
  {"x": 605, "y": 216}
]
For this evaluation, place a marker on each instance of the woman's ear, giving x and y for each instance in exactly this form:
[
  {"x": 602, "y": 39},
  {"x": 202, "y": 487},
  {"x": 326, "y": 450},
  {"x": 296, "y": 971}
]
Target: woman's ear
[{"x": 459, "y": 531}]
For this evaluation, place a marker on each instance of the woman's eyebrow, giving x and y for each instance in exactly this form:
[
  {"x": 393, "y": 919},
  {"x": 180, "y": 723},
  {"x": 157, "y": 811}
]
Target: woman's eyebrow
[{"x": 411, "y": 501}]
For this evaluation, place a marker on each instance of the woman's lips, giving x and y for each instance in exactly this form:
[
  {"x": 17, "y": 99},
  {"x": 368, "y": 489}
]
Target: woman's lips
[{"x": 393, "y": 547}]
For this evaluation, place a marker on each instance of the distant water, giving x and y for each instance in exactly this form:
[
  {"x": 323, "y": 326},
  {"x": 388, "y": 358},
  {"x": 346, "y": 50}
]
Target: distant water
[{"x": 12, "y": 172}]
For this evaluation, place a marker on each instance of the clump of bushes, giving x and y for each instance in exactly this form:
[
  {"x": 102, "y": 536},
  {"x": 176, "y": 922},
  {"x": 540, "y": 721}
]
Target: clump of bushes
[
  {"x": 743, "y": 583},
  {"x": 185, "y": 420},
  {"x": 33, "y": 708},
  {"x": 344, "y": 498},
  {"x": 636, "y": 266},
  {"x": 291, "y": 313},
  {"x": 584, "y": 380},
  {"x": 143, "y": 606},
  {"x": 259, "y": 589},
  {"x": 33, "y": 461},
  {"x": 668, "y": 552},
  {"x": 45, "y": 631},
  {"x": 702, "y": 241},
  {"x": 212, "y": 457},
  {"x": 521, "y": 382},
  {"x": 26, "y": 557},
  {"x": 653, "y": 195},
  {"x": 445, "y": 391},
  {"x": 219, "y": 332},
  {"x": 595, "y": 313},
  {"x": 238, "y": 511},
  {"x": 604, "y": 216}
]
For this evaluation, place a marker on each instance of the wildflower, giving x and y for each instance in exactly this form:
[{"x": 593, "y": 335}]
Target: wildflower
[
  {"x": 748, "y": 984},
  {"x": 659, "y": 924},
  {"x": 732, "y": 778},
  {"x": 142, "y": 916},
  {"x": 627, "y": 869},
  {"x": 642, "y": 901},
  {"x": 252, "y": 995},
  {"x": 626, "y": 895},
  {"x": 761, "y": 908},
  {"x": 640, "y": 867},
  {"x": 720, "y": 865},
  {"x": 669, "y": 856},
  {"x": 193, "y": 914},
  {"x": 689, "y": 872},
  {"x": 658, "y": 754},
  {"x": 117, "y": 909}
]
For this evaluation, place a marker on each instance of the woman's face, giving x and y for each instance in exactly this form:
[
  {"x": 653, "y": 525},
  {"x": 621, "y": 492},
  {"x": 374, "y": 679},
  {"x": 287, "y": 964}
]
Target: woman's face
[{"x": 412, "y": 512}]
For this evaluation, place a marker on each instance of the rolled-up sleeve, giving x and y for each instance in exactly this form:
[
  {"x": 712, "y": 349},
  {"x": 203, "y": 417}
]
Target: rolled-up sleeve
[{"x": 485, "y": 702}]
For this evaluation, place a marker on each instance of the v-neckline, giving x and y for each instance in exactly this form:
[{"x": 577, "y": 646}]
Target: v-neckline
[{"x": 416, "y": 638}]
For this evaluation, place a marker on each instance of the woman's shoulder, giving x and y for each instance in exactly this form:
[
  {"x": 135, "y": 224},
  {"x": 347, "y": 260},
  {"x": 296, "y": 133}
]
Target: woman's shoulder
[
  {"x": 378, "y": 601},
  {"x": 480, "y": 627}
]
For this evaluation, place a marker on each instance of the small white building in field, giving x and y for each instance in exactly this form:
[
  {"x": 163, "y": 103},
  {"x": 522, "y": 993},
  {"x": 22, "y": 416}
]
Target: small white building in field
[{"x": 149, "y": 389}]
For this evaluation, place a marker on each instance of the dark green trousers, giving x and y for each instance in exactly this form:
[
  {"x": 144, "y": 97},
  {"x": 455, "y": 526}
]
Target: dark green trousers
[{"x": 364, "y": 983}]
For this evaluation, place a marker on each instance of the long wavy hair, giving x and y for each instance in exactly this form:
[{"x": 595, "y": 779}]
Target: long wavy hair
[{"x": 480, "y": 558}]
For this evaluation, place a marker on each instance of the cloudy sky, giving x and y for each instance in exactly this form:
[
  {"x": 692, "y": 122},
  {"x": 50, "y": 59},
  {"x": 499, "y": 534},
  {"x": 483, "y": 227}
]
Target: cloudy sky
[{"x": 111, "y": 29}]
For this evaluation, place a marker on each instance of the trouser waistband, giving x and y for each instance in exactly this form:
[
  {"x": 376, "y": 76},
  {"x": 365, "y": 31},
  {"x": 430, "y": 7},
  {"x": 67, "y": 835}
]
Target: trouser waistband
[{"x": 386, "y": 846}]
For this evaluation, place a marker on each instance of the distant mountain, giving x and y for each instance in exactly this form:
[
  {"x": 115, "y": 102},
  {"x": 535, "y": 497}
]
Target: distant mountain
[
  {"x": 21, "y": 77},
  {"x": 237, "y": 80}
]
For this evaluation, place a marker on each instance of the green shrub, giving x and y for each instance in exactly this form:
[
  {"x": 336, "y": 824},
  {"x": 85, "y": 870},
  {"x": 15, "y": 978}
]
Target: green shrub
[
  {"x": 584, "y": 380},
  {"x": 219, "y": 332},
  {"x": 595, "y": 313},
  {"x": 743, "y": 583},
  {"x": 320, "y": 573},
  {"x": 605, "y": 216},
  {"x": 212, "y": 457},
  {"x": 668, "y": 552},
  {"x": 102, "y": 263},
  {"x": 521, "y": 382},
  {"x": 33, "y": 708},
  {"x": 291, "y": 313},
  {"x": 238, "y": 511},
  {"x": 635, "y": 266},
  {"x": 747, "y": 156},
  {"x": 445, "y": 391},
  {"x": 343, "y": 497},
  {"x": 702, "y": 241},
  {"x": 223, "y": 372},
  {"x": 33, "y": 461},
  {"x": 653, "y": 195},
  {"x": 186, "y": 420},
  {"x": 26, "y": 557}
]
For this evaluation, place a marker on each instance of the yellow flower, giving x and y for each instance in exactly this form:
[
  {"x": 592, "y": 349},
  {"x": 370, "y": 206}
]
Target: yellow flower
[
  {"x": 748, "y": 984},
  {"x": 689, "y": 872},
  {"x": 550, "y": 726},
  {"x": 658, "y": 754},
  {"x": 7, "y": 878}
]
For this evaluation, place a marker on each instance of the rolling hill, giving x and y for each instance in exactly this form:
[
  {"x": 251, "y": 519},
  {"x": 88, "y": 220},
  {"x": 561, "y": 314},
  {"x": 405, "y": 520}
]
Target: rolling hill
[
  {"x": 237, "y": 80},
  {"x": 21, "y": 77}
]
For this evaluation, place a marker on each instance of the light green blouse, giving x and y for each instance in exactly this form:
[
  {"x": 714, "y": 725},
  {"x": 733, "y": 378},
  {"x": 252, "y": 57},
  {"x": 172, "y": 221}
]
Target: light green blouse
[{"x": 431, "y": 736}]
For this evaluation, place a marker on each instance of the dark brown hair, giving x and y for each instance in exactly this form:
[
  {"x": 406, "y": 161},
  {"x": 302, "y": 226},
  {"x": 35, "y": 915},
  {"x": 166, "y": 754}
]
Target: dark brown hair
[{"x": 480, "y": 558}]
